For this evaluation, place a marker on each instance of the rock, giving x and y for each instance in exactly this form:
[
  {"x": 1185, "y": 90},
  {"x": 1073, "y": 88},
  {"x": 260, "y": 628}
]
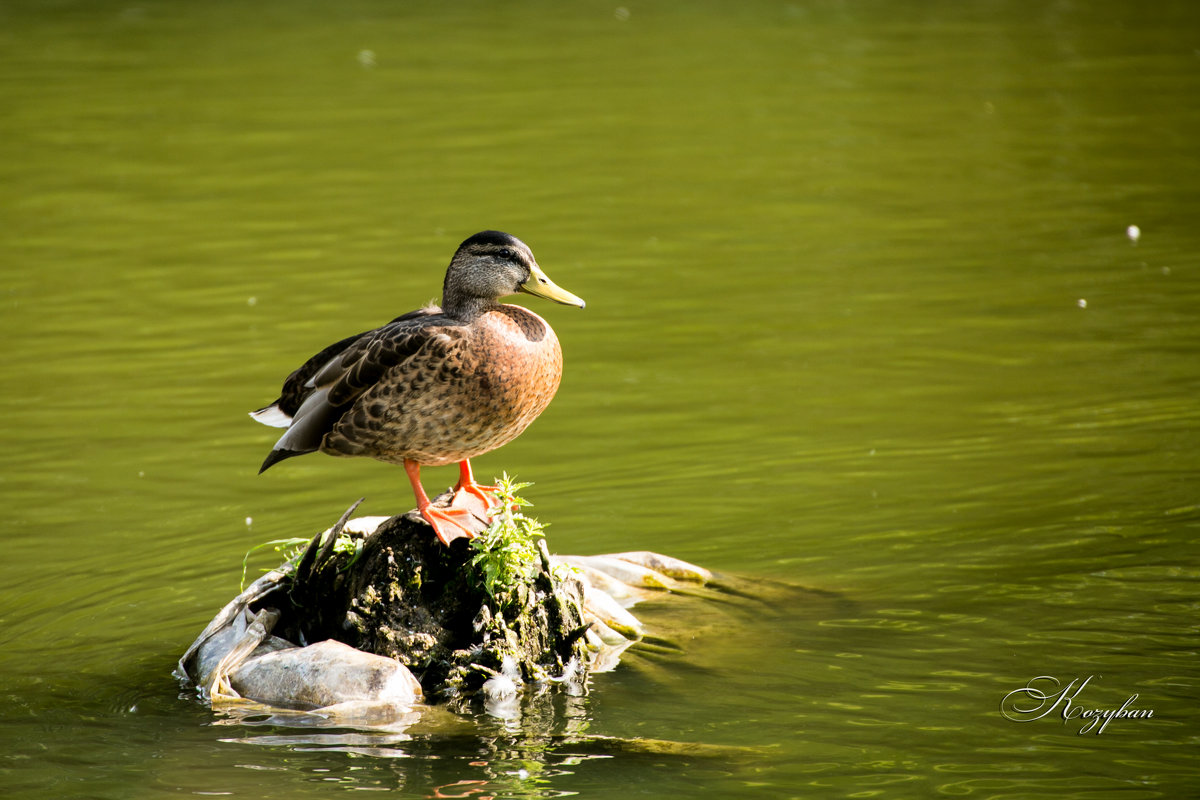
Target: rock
[
  {"x": 398, "y": 617},
  {"x": 325, "y": 674},
  {"x": 408, "y": 597}
]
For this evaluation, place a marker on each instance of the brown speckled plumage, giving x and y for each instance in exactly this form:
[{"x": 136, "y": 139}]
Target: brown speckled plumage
[
  {"x": 437, "y": 385},
  {"x": 446, "y": 402}
]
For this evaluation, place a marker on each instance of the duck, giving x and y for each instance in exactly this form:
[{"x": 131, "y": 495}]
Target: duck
[{"x": 436, "y": 386}]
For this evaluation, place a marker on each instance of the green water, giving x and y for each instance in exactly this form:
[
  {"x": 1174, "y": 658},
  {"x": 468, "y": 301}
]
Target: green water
[{"x": 863, "y": 319}]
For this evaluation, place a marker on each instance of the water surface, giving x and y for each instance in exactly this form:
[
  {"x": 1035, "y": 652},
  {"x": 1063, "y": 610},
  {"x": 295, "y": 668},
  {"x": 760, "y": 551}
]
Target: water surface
[{"x": 865, "y": 328}]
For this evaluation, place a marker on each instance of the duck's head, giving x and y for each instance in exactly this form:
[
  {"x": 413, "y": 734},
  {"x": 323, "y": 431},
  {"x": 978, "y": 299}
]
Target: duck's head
[{"x": 491, "y": 265}]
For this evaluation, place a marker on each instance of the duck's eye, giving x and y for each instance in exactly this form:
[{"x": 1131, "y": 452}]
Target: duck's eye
[{"x": 505, "y": 253}]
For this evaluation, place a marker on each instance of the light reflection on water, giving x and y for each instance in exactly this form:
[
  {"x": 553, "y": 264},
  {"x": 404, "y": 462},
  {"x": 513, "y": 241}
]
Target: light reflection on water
[{"x": 833, "y": 257}]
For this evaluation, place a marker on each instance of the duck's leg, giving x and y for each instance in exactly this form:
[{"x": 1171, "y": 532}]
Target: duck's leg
[
  {"x": 448, "y": 523},
  {"x": 467, "y": 486},
  {"x": 480, "y": 500}
]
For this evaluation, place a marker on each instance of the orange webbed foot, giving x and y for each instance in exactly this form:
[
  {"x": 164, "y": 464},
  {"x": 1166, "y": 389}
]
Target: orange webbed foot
[
  {"x": 473, "y": 495},
  {"x": 451, "y": 523},
  {"x": 469, "y": 494},
  {"x": 465, "y": 517}
]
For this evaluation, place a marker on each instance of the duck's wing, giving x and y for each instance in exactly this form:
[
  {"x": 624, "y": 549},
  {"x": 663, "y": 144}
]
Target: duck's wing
[
  {"x": 315, "y": 396},
  {"x": 295, "y": 387}
]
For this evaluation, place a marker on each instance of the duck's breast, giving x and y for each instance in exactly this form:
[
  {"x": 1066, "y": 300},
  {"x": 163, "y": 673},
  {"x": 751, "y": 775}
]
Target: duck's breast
[{"x": 518, "y": 369}]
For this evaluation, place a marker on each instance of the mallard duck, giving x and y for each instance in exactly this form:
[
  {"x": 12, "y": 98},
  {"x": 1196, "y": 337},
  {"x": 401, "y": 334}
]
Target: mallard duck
[{"x": 437, "y": 385}]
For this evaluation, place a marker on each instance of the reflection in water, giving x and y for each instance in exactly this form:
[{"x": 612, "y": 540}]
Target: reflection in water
[{"x": 521, "y": 756}]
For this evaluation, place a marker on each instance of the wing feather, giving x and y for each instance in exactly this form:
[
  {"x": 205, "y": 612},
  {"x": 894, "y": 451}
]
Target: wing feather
[{"x": 317, "y": 394}]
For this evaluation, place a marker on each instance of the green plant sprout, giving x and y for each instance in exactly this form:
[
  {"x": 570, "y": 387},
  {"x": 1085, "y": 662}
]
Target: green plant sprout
[
  {"x": 507, "y": 554},
  {"x": 294, "y": 547}
]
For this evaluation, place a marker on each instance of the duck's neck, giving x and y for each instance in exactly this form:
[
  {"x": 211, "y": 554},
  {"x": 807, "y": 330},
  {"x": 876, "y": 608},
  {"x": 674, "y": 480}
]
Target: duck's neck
[{"x": 466, "y": 309}]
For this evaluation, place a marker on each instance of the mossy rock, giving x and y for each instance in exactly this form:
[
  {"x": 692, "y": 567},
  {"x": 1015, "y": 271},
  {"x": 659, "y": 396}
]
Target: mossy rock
[{"x": 405, "y": 595}]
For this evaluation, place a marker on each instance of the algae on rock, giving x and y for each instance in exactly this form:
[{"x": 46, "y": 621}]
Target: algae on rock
[{"x": 405, "y": 595}]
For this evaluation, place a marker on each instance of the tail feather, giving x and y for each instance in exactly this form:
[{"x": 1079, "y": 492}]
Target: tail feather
[
  {"x": 275, "y": 456},
  {"x": 308, "y": 427},
  {"x": 272, "y": 415}
]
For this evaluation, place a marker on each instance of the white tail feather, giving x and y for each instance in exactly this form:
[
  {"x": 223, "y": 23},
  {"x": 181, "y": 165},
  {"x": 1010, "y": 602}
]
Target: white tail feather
[{"x": 272, "y": 415}]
